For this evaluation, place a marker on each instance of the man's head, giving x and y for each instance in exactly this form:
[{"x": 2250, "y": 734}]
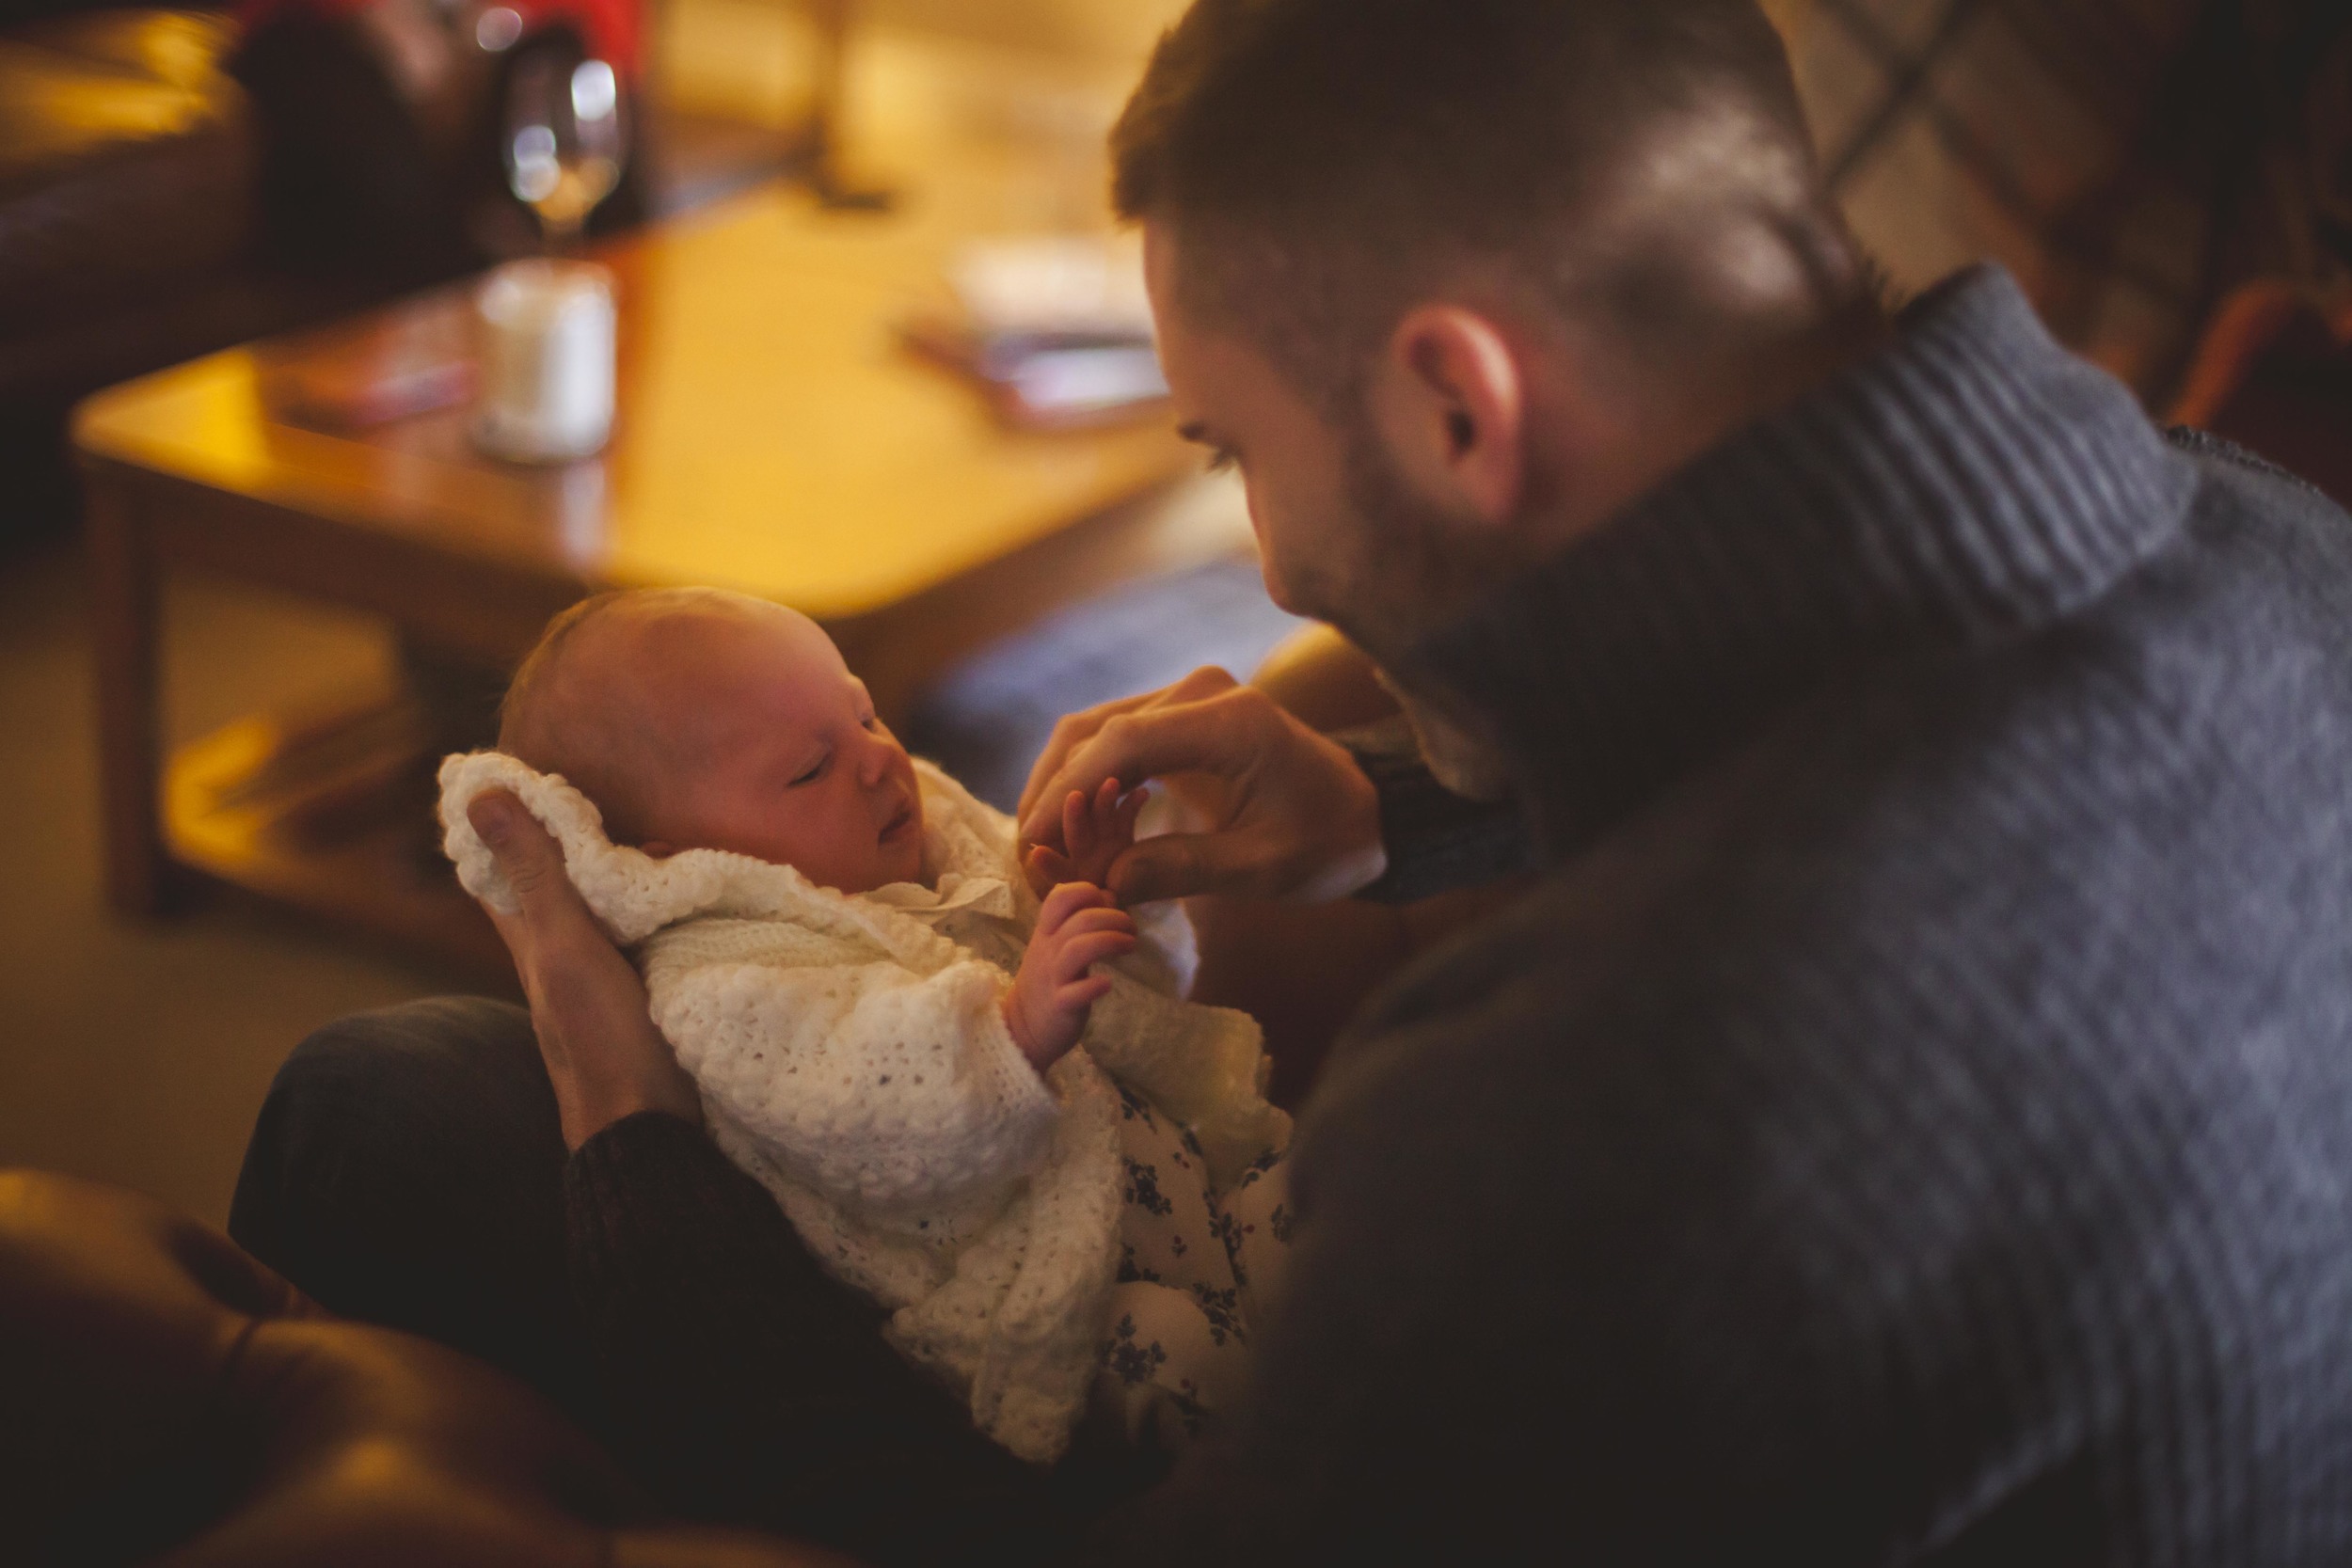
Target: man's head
[
  {"x": 700, "y": 719},
  {"x": 1454, "y": 281}
]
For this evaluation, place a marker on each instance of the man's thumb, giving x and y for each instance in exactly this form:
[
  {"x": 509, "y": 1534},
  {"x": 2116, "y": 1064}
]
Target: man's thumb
[
  {"x": 507, "y": 828},
  {"x": 492, "y": 815},
  {"x": 1174, "y": 865}
]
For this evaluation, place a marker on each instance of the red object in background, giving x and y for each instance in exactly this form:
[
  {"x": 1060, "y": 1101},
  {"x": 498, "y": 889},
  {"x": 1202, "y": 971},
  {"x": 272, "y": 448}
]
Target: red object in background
[
  {"x": 379, "y": 370},
  {"x": 609, "y": 30}
]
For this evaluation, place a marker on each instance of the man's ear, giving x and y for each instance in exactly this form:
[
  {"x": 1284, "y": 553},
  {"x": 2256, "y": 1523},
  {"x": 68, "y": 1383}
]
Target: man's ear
[{"x": 1449, "y": 397}]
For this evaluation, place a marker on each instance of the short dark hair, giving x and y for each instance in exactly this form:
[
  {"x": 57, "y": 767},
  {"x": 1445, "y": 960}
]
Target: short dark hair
[{"x": 1329, "y": 151}]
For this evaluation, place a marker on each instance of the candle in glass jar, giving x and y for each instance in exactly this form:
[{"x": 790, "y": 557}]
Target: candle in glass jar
[{"x": 548, "y": 330}]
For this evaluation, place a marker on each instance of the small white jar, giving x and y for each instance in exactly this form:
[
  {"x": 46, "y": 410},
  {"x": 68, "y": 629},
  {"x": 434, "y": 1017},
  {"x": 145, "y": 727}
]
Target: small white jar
[{"x": 547, "y": 334}]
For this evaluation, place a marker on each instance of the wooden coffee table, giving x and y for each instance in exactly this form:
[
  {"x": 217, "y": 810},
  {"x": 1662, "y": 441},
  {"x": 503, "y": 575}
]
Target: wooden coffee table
[{"x": 772, "y": 437}]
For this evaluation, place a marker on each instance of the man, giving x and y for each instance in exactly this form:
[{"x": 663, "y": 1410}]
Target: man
[{"x": 1910, "y": 1119}]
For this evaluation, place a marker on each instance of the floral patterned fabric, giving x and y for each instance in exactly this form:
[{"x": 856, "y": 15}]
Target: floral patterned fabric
[{"x": 1196, "y": 1268}]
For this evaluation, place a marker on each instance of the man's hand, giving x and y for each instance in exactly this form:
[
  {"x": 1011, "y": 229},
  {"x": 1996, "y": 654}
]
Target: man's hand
[
  {"x": 588, "y": 1006},
  {"x": 1094, "y": 834},
  {"x": 1295, "y": 817},
  {"x": 1046, "y": 1009}
]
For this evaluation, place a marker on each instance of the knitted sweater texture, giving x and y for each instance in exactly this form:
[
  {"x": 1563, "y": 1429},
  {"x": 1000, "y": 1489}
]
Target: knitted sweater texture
[
  {"x": 852, "y": 1056},
  {"x": 1910, "y": 1120},
  {"x": 1915, "y": 1110}
]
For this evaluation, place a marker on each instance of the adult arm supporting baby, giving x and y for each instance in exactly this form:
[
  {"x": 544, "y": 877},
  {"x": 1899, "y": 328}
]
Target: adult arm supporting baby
[
  {"x": 747, "y": 1384},
  {"x": 753, "y": 1389}
]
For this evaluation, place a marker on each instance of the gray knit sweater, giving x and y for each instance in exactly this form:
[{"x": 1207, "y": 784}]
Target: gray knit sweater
[
  {"x": 1912, "y": 1120},
  {"x": 1910, "y": 1123}
]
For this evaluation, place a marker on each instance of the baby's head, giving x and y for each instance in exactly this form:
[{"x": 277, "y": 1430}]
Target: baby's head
[{"x": 701, "y": 719}]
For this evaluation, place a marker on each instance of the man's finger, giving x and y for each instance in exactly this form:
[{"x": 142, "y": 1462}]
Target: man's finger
[
  {"x": 1205, "y": 736},
  {"x": 1206, "y": 681},
  {"x": 1125, "y": 815},
  {"x": 1079, "y": 728},
  {"x": 1068, "y": 735},
  {"x": 1182, "y": 865},
  {"x": 1104, "y": 824}
]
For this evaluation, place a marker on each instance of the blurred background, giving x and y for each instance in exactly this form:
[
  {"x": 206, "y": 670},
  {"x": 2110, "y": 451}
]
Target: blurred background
[{"x": 2170, "y": 179}]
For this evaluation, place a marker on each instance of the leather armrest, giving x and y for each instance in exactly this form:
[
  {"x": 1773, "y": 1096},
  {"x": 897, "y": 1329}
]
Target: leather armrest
[
  {"x": 162, "y": 1397},
  {"x": 126, "y": 157}
]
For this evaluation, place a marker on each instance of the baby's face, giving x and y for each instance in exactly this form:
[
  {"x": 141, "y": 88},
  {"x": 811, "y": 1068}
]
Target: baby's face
[{"x": 779, "y": 755}]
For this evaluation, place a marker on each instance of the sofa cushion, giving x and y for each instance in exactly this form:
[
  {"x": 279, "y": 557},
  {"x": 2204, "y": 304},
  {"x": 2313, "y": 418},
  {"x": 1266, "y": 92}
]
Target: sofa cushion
[{"x": 126, "y": 158}]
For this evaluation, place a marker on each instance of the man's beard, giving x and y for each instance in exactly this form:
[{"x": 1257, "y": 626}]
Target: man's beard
[
  {"x": 1408, "y": 574},
  {"x": 1457, "y": 759}
]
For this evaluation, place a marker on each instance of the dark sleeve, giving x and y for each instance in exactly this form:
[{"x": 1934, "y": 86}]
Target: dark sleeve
[
  {"x": 750, "y": 1388},
  {"x": 1437, "y": 840}
]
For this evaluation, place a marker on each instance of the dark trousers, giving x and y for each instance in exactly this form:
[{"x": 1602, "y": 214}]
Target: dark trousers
[{"x": 407, "y": 1169}]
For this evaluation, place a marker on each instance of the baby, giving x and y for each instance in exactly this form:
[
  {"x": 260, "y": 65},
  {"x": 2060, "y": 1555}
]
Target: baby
[{"x": 994, "y": 1115}]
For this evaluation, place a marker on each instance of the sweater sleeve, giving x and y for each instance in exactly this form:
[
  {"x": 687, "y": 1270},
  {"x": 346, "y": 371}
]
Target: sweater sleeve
[
  {"x": 749, "y": 1388},
  {"x": 1437, "y": 841},
  {"x": 880, "y": 1086}
]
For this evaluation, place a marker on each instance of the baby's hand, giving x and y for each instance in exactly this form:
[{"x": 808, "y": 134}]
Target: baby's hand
[
  {"x": 1046, "y": 1009},
  {"x": 1094, "y": 834}
]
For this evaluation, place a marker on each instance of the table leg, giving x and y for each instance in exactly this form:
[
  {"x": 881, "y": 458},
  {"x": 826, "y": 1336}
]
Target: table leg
[{"x": 126, "y": 620}]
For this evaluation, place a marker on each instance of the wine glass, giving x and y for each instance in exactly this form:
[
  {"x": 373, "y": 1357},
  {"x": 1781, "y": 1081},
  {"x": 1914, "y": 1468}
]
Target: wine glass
[{"x": 567, "y": 138}]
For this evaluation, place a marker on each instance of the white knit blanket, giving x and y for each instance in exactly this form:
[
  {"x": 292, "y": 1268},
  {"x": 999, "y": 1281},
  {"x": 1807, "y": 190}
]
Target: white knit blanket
[{"x": 853, "y": 1057}]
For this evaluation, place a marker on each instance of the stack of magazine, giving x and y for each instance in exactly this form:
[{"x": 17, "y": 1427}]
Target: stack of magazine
[{"x": 1057, "y": 332}]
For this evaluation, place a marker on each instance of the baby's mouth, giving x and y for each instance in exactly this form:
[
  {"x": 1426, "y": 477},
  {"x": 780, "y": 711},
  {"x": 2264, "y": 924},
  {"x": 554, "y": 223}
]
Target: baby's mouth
[{"x": 900, "y": 822}]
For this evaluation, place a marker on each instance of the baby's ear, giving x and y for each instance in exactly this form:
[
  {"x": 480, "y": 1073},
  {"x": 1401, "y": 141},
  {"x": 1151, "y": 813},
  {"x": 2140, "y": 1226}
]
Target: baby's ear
[{"x": 657, "y": 849}]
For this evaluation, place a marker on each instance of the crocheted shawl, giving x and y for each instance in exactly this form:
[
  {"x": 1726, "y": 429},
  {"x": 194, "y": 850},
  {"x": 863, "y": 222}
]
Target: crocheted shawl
[{"x": 853, "y": 1057}]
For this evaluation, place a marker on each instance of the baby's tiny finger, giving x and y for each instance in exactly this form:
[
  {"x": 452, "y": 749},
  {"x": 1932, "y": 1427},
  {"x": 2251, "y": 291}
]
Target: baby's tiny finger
[
  {"x": 1082, "y": 954},
  {"x": 1082, "y": 993},
  {"x": 1063, "y": 902},
  {"x": 1112, "y": 824},
  {"x": 1104, "y": 917}
]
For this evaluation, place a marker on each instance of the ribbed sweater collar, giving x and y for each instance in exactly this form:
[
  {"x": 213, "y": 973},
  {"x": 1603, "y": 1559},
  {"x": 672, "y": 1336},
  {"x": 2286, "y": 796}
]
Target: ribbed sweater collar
[{"x": 1967, "y": 485}]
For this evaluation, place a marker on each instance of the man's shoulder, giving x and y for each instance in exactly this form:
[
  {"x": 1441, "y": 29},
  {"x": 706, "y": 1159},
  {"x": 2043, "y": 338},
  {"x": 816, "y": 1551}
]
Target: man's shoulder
[
  {"x": 1943, "y": 976},
  {"x": 2241, "y": 469},
  {"x": 2009, "y": 866}
]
